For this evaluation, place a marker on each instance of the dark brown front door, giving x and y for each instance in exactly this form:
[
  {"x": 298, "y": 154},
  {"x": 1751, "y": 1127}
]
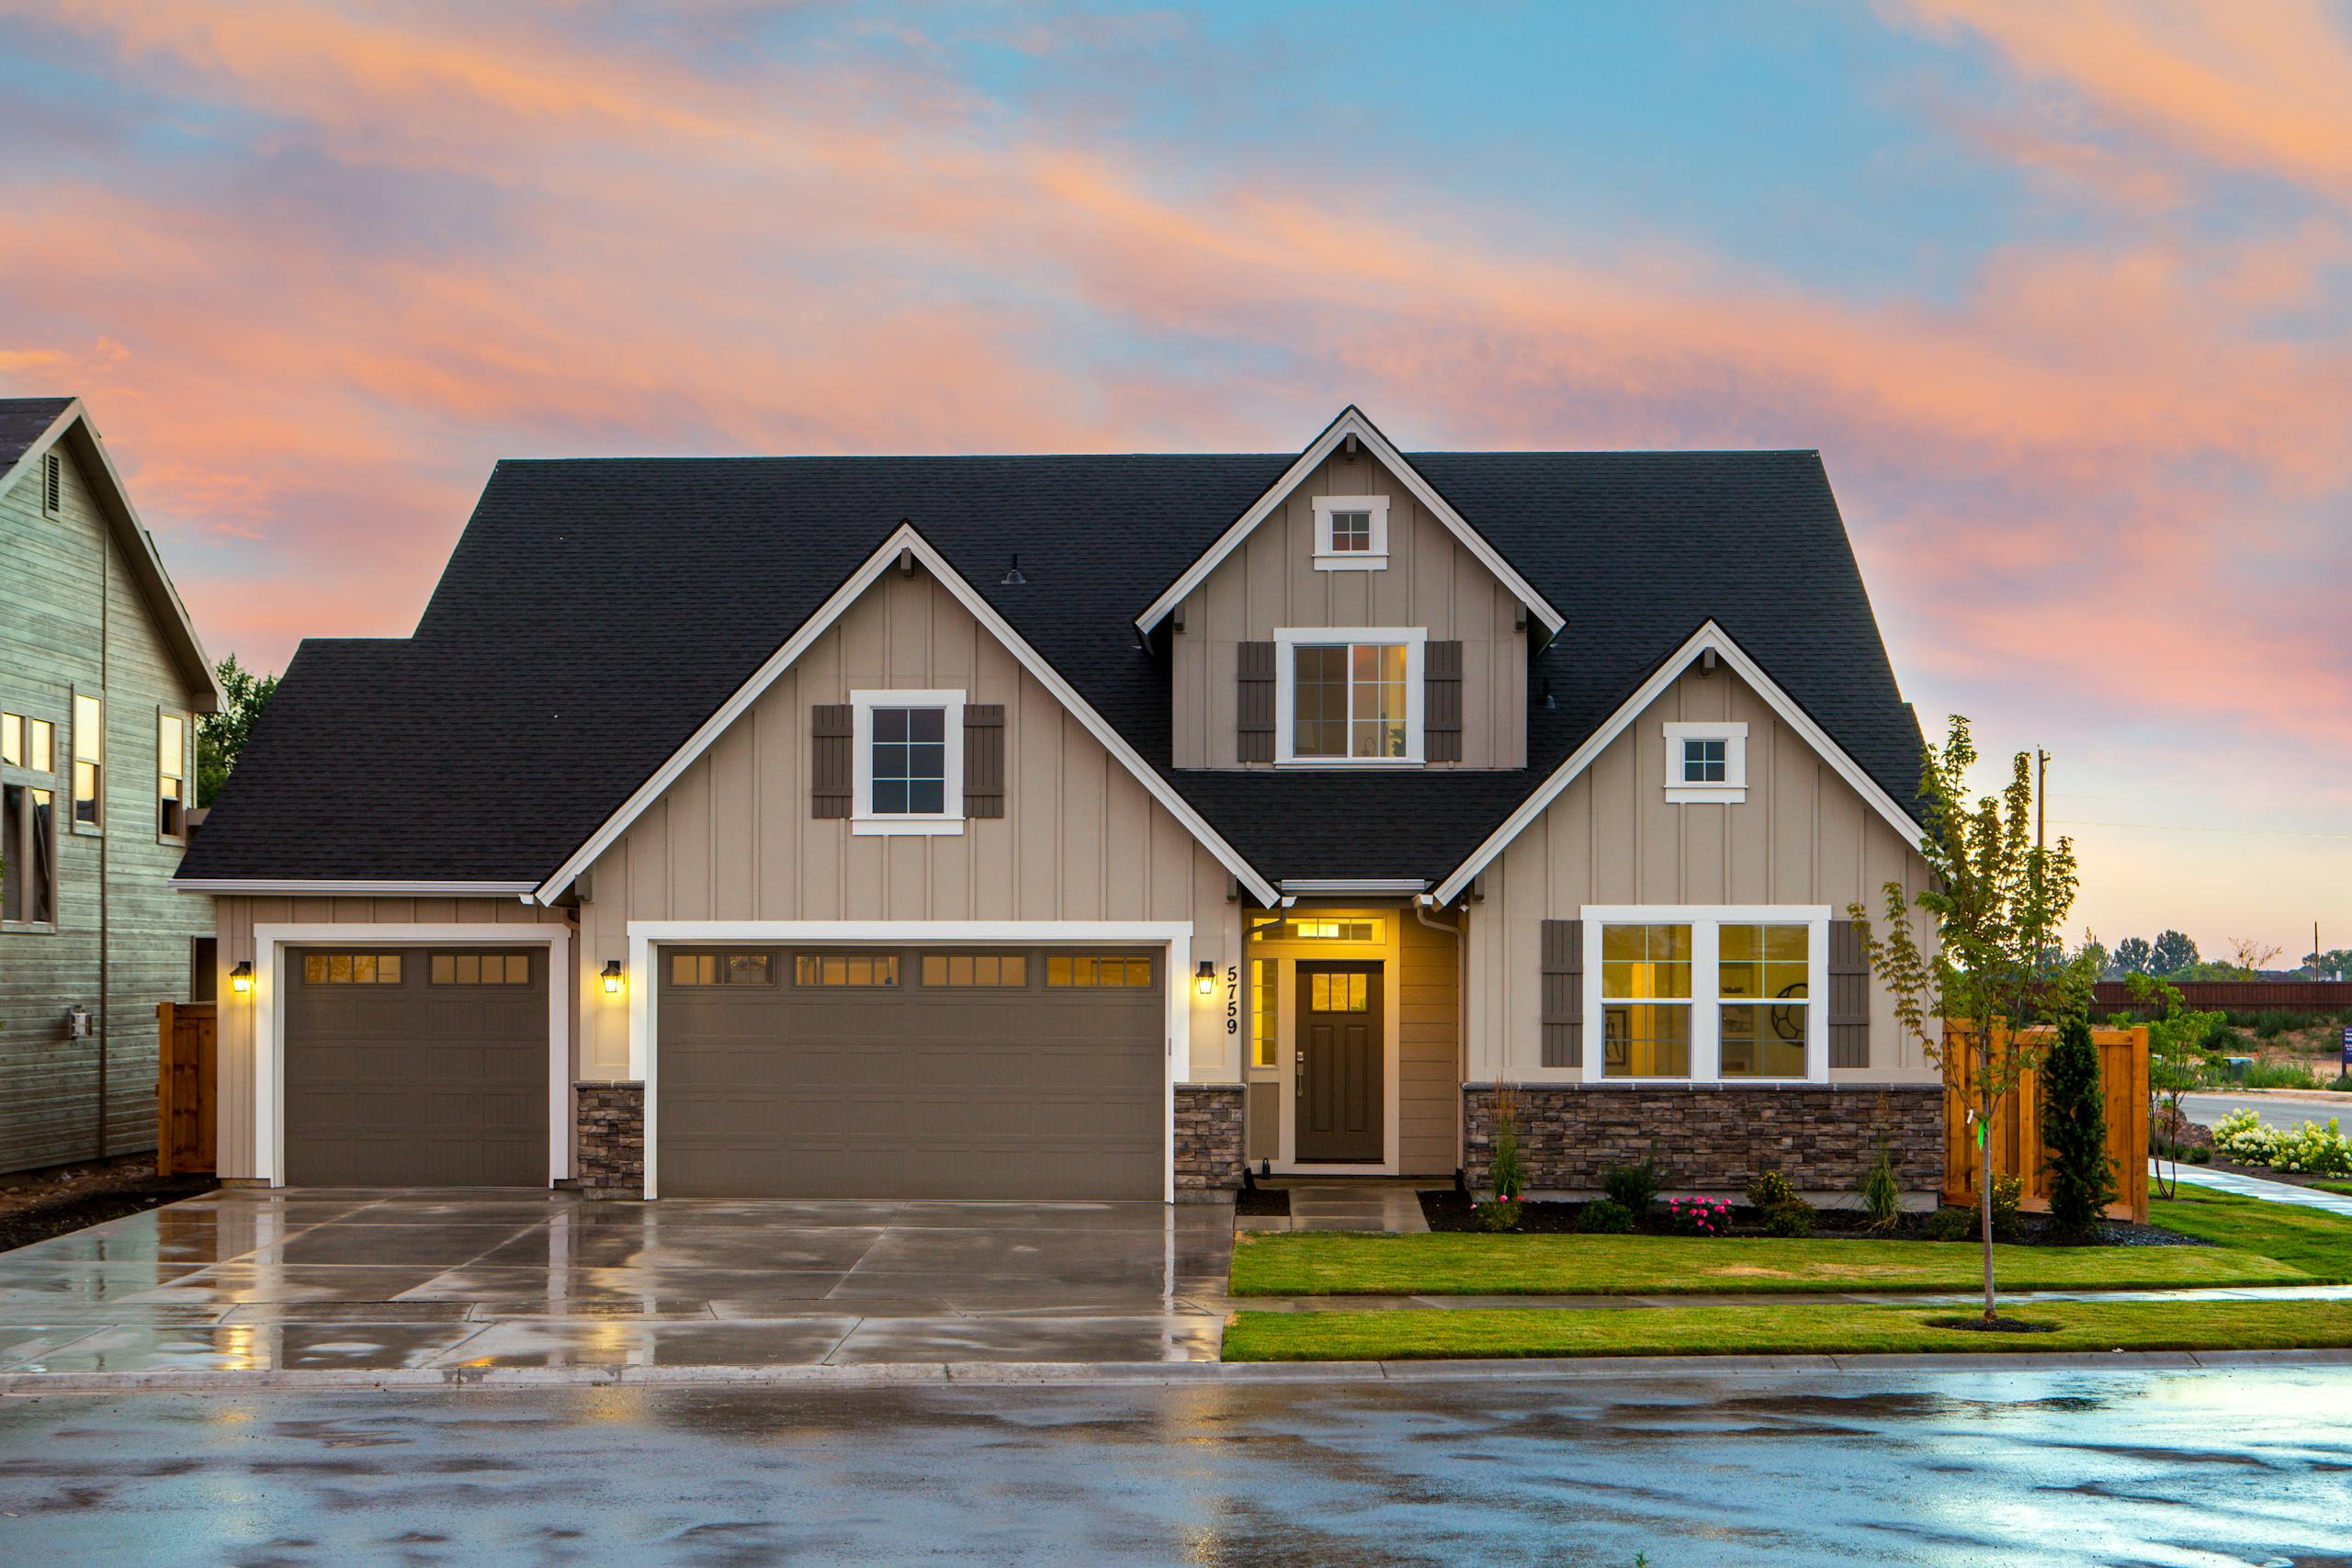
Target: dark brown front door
[{"x": 1338, "y": 1069}]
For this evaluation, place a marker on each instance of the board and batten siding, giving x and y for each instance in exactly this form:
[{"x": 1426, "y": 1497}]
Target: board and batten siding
[
  {"x": 73, "y": 619},
  {"x": 236, "y": 918},
  {"x": 735, "y": 838},
  {"x": 1429, "y": 1049},
  {"x": 1270, "y": 580},
  {"x": 1803, "y": 836}
]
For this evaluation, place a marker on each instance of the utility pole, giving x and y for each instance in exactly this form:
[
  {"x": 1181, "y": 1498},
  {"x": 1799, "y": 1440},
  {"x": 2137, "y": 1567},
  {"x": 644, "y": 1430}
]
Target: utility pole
[{"x": 2041, "y": 795}]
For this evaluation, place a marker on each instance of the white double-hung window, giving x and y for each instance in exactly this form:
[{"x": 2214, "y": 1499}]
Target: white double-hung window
[
  {"x": 1706, "y": 994},
  {"x": 907, "y": 750},
  {"x": 1347, "y": 695}
]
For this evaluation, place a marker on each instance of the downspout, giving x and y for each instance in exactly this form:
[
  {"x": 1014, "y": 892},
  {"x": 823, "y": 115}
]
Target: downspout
[
  {"x": 106, "y": 827},
  {"x": 1461, "y": 1017}
]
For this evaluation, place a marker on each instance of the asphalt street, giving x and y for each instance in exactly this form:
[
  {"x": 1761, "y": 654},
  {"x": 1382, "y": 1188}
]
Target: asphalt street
[{"x": 2008, "y": 1465}]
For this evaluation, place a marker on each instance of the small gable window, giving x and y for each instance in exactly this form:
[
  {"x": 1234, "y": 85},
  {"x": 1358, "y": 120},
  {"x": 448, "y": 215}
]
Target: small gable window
[
  {"x": 907, "y": 753},
  {"x": 1706, "y": 763},
  {"x": 1350, "y": 533},
  {"x": 53, "y": 484}
]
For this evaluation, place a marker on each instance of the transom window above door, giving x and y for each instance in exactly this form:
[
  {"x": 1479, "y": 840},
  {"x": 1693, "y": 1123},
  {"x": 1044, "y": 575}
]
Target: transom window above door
[
  {"x": 908, "y": 761},
  {"x": 1348, "y": 696}
]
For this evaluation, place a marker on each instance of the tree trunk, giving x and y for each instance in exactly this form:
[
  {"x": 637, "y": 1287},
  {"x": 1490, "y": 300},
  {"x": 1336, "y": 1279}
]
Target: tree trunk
[{"x": 1984, "y": 1158}]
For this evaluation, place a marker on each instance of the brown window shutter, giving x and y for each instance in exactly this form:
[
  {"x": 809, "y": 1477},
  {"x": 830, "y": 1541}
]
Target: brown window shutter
[
  {"x": 1442, "y": 701},
  {"x": 1850, "y": 997},
  {"x": 1563, "y": 993},
  {"x": 983, "y": 759},
  {"x": 1254, "y": 737},
  {"x": 830, "y": 728}
]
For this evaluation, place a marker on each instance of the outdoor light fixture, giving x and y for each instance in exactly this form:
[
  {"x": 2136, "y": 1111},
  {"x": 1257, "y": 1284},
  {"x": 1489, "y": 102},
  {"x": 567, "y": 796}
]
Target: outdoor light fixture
[
  {"x": 1205, "y": 978},
  {"x": 241, "y": 978},
  {"x": 612, "y": 976}
]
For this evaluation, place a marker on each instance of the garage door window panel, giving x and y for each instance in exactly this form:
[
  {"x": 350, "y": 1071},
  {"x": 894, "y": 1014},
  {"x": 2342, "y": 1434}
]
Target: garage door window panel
[
  {"x": 1118, "y": 970},
  {"x": 829, "y": 970},
  {"x": 1006, "y": 971},
  {"x": 481, "y": 969},
  {"x": 721, "y": 969},
  {"x": 351, "y": 969}
]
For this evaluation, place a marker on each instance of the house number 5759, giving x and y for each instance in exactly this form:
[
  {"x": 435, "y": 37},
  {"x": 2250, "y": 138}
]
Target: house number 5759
[{"x": 1233, "y": 998}]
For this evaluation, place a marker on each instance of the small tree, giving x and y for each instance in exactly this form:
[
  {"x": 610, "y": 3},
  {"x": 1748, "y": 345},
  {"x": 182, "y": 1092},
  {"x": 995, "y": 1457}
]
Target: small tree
[
  {"x": 221, "y": 735},
  {"x": 2176, "y": 1036},
  {"x": 1508, "y": 1172},
  {"x": 1999, "y": 901},
  {"x": 2073, "y": 1131}
]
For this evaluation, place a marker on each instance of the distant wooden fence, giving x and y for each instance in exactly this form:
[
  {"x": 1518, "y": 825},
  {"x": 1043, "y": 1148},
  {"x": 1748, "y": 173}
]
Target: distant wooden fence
[
  {"x": 185, "y": 1073},
  {"x": 2016, "y": 1143},
  {"x": 2110, "y": 996}
]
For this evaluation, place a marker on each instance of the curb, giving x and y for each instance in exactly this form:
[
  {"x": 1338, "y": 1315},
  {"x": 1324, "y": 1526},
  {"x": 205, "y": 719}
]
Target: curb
[{"x": 999, "y": 1374}]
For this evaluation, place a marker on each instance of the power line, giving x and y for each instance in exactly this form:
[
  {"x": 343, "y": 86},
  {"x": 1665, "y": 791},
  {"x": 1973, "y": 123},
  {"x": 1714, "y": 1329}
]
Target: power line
[{"x": 2193, "y": 828}]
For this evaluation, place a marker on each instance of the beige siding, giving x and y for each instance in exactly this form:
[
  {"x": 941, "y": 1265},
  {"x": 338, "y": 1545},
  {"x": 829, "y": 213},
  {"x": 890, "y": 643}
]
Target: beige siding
[
  {"x": 237, "y": 918},
  {"x": 733, "y": 838},
  {"x": 1803, "y": 836},
  {"x": 1271, "y": 582},
  {"x": 1428, "y": 1051}
]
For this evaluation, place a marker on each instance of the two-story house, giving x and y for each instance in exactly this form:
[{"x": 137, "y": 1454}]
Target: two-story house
[
  {"x": 1084, "y": 827},
  {"x": 101, "y": 677}
]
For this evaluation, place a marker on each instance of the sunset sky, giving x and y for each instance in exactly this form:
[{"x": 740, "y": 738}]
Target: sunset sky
[{"x": 2062, "y": 292}]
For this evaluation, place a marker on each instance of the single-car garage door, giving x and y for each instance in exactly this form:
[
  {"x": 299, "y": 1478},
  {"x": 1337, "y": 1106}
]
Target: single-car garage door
[
  {"x": 416, "y": 1067},
  {"x": 912, "y": 1073}
]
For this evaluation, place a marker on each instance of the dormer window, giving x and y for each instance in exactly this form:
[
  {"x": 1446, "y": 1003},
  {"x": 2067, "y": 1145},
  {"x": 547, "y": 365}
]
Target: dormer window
[
  {"x": 1706, "y": 763},
  {"x": 1348, "y": 696},
  {"x": 1350, "y": 533}
]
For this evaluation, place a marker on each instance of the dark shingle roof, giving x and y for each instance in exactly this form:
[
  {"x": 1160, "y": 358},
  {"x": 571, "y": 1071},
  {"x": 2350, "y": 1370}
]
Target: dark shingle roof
[
  {"x": 596, "y": 611},
  {"x": 22, "y": 422}
]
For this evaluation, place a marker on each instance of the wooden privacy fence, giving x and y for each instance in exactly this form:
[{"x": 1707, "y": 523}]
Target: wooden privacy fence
[
  {"x": 2236, "y": 995},
  {"x": 184, "y": 1073},
  {"x": 2016, "y": 1143}
]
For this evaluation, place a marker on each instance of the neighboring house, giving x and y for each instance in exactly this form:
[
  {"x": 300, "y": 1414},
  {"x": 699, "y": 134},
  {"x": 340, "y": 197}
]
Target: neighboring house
[
  {"x": 100, "y": 680},
  {"x": 1080, "y": 827}
]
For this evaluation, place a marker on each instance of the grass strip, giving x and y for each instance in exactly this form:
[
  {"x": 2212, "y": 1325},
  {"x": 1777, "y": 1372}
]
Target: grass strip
[
  {"x": 2318, "y": 1243},
  {"x": 1792, "y": 1329},
  {"x": 1315, "y": 1263}
]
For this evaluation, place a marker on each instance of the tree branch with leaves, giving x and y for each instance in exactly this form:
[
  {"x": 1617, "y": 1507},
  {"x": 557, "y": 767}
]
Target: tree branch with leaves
[{"x": 1999, "y": 903}]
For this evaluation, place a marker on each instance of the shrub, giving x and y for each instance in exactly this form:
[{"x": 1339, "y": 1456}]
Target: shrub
[
  {"x": 2279, "y": 1075},
  {"x": 2315, "y": 1147},
  {"x": 1500, "y": 1215},
  {"x": 2199, "y": 1155},
  {"x": 1881, "y": 1194},
  {"x": 1793, "y": 1218},
  {"x": 2007, "y": 1193},
  {"x": 1948, "y": 1224},
  {"x": 1632, "y": 1188},
  {"x": 1605, "y": 1216},
  {"x": 1698, "y": 1216},
  {"x": 1510, "y": 1172},
  {"x": 2073, "y": 1131},
  {"x": 1769, "y": 1190}
]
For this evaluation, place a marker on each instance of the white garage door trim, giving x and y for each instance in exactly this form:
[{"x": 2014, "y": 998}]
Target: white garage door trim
[
  {"x": 644, "y": 936},
  {"x": 269, "y": 1021}
]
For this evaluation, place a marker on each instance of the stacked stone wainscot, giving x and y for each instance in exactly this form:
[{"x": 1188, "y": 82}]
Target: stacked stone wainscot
[
  {"x": 609, "y": 1161},
  {"x": 1713, "y": 1139},
  {"x": 1210, "y": 1155}
]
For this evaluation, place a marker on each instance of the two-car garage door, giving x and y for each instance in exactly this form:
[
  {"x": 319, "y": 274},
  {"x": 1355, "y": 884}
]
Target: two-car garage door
[{"x": 1019, "y": 1072}]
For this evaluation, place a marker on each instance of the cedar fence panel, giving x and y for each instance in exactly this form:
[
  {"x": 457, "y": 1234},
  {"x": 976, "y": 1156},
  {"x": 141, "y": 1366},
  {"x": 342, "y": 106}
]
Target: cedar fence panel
[
  {"x": 186, "y": 1071},
  {"x": 2238, "y": 995},
  {"x": 2016, "y": 1143}
]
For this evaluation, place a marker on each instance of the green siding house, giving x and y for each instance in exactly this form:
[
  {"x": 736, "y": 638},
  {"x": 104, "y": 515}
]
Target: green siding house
[{"x": 101, "y": 677}]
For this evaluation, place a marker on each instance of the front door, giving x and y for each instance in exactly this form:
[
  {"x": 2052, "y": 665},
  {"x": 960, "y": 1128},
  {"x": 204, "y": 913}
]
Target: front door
[{"x": 1339, "y": 1075}]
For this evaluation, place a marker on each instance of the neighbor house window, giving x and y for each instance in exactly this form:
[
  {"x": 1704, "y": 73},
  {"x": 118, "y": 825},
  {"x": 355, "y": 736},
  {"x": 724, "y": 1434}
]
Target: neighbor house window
[
  {"x": 89, "y": 760},
  {"x": 481, "y": 970},
  {"x": 27, "y": 743},
  {"x": 351, "y": 968},
  {"x": 1265, "y": 1015},
  {"x": 845, "y": 969},
  {"x": 171, "y": 775},
  {"x": 1350, "y": 533},
  {"x": 909, "y": 750},
  {"x": 720, "y": 969},
  {"x": 1349, "y": 697},
  {"x": 1707, "y": 994},
  {"x": 1009, "y": 970},
  {"x": 27, "y": 855},
  {"x": 1706, "y": 761},
  {"x": 1088, "y": 970}
]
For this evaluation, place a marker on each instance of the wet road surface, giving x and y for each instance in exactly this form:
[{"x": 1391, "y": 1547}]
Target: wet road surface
[{"x": 2007, "y": 1466}]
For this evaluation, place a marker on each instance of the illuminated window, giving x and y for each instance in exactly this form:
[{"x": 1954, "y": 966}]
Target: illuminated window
[
  {"x": 1645, "y": 1001},
  {"x": 89, "y": 760},
  {"x": 720, "y": 969},
  {"x": 481, "y": 970},
  {"x": 1086, "y": 969},
  {"x": 1266, "y": 1018},
  {"x": 171, "y": 775},
  {"x": 1764, "y": 987},
  {"x": 845, "y": 969},
  {"x": 1336, "y": 930},
  {"x": 351, "y": 968},
  {"x": 27, "y": 743},
  {"x": 1339, "y": 993},
  {"x": 975, "y": 969}
]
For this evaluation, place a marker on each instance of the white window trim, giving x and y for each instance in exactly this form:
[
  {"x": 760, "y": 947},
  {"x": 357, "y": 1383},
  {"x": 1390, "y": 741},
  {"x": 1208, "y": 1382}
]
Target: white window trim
[
  {"x": 1705, "y": 922},
  {"x": 1287, "y": 639},
  {"x": 1328, "y": 559},
  {"x": 1733, "y": 787},
  {"x": 863, "y": 820}
]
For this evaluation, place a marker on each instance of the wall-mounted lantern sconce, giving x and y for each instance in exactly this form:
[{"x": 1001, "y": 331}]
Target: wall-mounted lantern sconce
[
  {"x": 241, "y": 978},
  {"x": 1205, "y": 978},
  {"x": 612, "y": 976}
]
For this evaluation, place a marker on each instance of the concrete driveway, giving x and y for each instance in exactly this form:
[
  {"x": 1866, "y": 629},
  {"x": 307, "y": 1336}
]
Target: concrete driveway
[{"x": 356, "y": 1280}]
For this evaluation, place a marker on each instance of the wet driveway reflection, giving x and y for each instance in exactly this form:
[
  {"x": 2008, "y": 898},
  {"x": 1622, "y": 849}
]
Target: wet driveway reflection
[{"x": 2245, "y": 1466}]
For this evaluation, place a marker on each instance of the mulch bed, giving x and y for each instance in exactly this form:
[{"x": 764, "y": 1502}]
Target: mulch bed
[
  {"x": 44, "y": 1203},
  {"x": 1453, "y": 1211},
  {"x": 1262, "y": 1202}
]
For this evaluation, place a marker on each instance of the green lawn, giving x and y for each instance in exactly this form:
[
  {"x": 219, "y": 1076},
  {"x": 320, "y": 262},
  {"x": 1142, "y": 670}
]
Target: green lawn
[
  {"x": 2319, "y": 1243},
  {"x": 1780, "y": 1328},
  {"x": 2343, "y": 1186},
  {"x": 1286, "y": 1263}
]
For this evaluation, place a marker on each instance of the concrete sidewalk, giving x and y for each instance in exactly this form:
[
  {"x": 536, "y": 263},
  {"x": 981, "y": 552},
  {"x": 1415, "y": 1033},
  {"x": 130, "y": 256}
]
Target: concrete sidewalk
[{"x": 2269, "y": 1191}]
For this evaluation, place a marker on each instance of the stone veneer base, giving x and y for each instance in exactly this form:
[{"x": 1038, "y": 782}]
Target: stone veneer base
[
  {"x": 1711, "y": 1138},
  {"x": 1210, "y": 1153},
  {"x": 608, "y": 1158}
]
